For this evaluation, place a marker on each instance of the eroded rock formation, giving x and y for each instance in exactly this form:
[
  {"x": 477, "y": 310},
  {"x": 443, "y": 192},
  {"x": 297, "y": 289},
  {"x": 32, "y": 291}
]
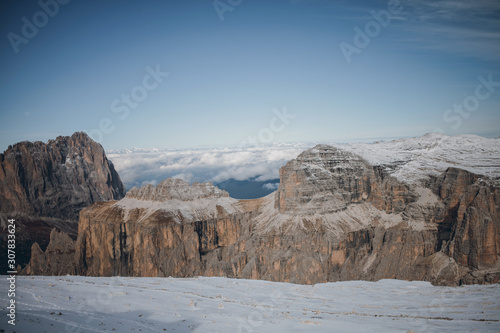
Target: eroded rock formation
[
  {"x": 58, "y": 178},
  {"x": 58, "y": 258},
  {"x": 45, "y": 185},
  {"x": 334, "y": 217}
]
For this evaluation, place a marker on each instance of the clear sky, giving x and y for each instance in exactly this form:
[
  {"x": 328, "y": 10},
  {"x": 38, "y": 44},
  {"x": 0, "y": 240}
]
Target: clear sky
[{"x": 234, "y": 65}]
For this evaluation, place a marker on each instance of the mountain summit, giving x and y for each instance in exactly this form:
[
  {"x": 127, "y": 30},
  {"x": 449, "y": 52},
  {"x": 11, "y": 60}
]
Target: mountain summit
[
  {"x": 45, "y": 185},
  {"x": 57, "y": 178}
]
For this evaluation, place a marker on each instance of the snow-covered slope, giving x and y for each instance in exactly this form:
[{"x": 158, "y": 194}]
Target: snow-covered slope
[
  {"x": 119, "y": 304},
  {"x": 412, "y": 159}
]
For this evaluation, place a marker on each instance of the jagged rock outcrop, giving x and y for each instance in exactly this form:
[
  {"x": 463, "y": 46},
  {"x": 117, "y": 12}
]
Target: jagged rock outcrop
[
  {"x": 334, "y": 217},
  {"x": 470, "y": 231},
  {"x": 45, "y": 185},
  {"x": 57, "y": 178},
  {"x": 58, "y": 258},
  {"x": 329, "y": 179}
]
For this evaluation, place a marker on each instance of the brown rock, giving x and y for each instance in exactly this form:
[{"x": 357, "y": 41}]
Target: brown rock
[
  {"x": 472, "y": 224},
  {"x": 333, "y": 218},
  {"x": 58, "y": 178},
  {"x": 58, "y": 258},
  {"x": 45, "y": 185}
]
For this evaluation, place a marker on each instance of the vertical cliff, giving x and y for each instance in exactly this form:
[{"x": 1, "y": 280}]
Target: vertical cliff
[
  {"x": 334, "y": 217},
  {"x": 58, "y": 178},
  {"x": 45, "y": 185},
  {"x": 470, "y": 232}
]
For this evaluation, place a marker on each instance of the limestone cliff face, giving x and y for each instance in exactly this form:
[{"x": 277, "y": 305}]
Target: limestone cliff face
[
  {"x": 58, "y": 178},
  {"x": 334, "y": 217},
  {"x": 156, "y": 247},
  {"x": 471, "y": 226},
  {"x": 45, "y": 185},
  {"x": 330, "y": 179},
  {"x": 156, "y": 231}
]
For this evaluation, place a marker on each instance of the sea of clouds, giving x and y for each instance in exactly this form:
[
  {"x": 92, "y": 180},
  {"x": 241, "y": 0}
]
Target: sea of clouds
[{"x": 141, "y": 166}]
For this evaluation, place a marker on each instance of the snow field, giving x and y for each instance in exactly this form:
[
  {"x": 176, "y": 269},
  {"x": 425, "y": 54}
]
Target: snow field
[{"x": 126, "y": 304}]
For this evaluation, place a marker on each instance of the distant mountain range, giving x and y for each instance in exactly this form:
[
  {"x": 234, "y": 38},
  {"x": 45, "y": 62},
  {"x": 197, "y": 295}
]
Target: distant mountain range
[{"x": 423, "y": 208}]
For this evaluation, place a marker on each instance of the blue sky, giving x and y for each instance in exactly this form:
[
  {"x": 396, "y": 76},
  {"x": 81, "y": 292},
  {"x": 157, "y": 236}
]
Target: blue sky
[{"x": 228, "y": 78}]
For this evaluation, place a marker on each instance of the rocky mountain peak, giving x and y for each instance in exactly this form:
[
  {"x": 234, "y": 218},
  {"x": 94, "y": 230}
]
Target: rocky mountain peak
[
  {"x": 46, "y": 185},
  {"x": 57, "y": 178},
  {"x": 323, "y": 178},
  {"x": 330, "y": 159},
  {"x": 173, "y": 188}
]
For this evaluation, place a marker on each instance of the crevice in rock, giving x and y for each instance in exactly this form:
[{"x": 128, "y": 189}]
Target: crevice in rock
[{"x": 445, "y": 227}]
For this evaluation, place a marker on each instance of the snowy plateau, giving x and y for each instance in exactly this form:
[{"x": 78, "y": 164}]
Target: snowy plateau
[
  {"x": 413, "y": 159},
  {"x": 217, "y": 304}
]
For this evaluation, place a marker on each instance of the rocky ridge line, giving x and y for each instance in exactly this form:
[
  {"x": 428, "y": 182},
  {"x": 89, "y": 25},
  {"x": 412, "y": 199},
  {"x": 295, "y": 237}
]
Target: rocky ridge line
[{"x": 334, "y": 217}]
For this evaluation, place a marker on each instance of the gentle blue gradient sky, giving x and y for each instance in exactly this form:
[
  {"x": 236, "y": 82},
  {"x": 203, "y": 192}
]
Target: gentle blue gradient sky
[{"x": 226, "y": 77}]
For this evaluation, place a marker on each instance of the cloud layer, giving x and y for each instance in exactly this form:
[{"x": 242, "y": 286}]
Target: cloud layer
[{"x": 138, "y": 167}]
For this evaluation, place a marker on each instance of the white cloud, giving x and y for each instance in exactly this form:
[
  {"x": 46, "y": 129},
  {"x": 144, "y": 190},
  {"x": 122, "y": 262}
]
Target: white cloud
[
  {"x": 187, "y": 177},
  {"x": 271, "y": 186},
  {"x": 149, "y": 166}
]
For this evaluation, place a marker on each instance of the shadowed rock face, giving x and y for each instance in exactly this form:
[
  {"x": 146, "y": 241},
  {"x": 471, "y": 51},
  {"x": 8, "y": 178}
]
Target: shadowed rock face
[
  {"x": 58, "y": 259},
  {"x": 45, "y": 185},
  {"x": 334, "y": 217},
  {"x": 471, "y": 227},
  {"x": 58, "y": 178}
]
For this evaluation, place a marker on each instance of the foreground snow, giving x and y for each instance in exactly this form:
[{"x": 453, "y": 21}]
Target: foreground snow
[{"x": 124, "y": 304}]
